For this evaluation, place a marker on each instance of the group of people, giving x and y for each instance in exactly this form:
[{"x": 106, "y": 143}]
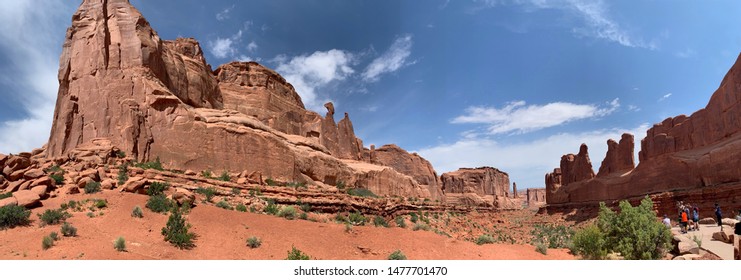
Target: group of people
[{"x": 689, "y": 217}]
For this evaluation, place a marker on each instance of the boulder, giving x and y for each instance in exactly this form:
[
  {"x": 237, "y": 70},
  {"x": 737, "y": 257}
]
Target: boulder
[
  {"x": 40, "y": 190},
  {"x": 183, "y": 196},
  {"x": 14, "y": 186},
  {"x": 708, "y": 221},
  {"x": 16, "y": 175},
  {"x": 33, "y": 174},
  {"x": 84, "y": 181},
  {"x": 721, "y": 236},
  {"x": 27, "y": 198},
  {"x": 688, "y": 248},
  {"x": 25, "y": 186},
  {"x": 107, "y": 184},
  {"x": 43, "y": 181},
  {"x": 8, "y": 201},
  {"x": 729, "y": 222},
  {"x": 135, "y": 184}
]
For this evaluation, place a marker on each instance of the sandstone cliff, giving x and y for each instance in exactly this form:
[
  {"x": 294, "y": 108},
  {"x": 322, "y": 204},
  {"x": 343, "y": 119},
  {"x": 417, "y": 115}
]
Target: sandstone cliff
[
  {"x": 483, "y": 185},
  {"x": 159, "y": 99},
  {"x": 696, "y": 157}
]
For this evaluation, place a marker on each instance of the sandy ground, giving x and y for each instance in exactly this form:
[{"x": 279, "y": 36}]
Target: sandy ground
[{"x": 222, "y": 235}]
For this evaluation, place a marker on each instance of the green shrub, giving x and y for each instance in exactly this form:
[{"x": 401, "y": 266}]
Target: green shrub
[
  {"x": 236, "y": 191},
  {"x": 5, "y": 195},
  {"x": 341, "y": 185},
  {"x": 253, "y": 242},
  {"x": 156, "y": 165},
  {"x": 224, "y": 177},
  {"x": 68, "y": 230},
  {"x": 380, "y": 222},
  {"x": 47, "y": 242},
  {"x": 208, "y": 192},
  {"x": 589, "y": 243},
  {"x": 552, "y": 236},
  {"x": 137, "y": 212},
  {"x": 287, "y": 212},
  {"x": 413, "y": 217},
  {"x": 303, "y": 216},
  {"x": 92, "y": 187},
  {"x": 634, "y": 232},
  {"x": 271, "y": 182},
  {"x": 296, "y": 254},
  {"x": 58, "y": 178},
  {"x": 357, "y": 219},
  {"x": 90, "y": 214},
  {"x": 160, "y": 203},
  {"x": 206, "y": 174},
  {"x": 13, "y": 215},
  {"x": 400, "y": 221},
  {"x": 225, "y": 205},
  {"x": 157, "y": 188},
  {"x": 484, "y": 239},
  {"x": 305, "y": 207},
  {"x": 361, "y": 192},
  {"x": 54, "y": 236},
  {"x": 241, "y": 207},
  {"x": 397, "y": 255},
  {"x": 53, "y": 217},
  {"x": 271, "y": 208},
  {"x": 101, "y": 203},
  {"x": 421, "y": 226},
  {"x": 120, "y": 154},
  {"x": 123, "y": 174},
  {"x": 176, "y": 231},
  {"x": 120, "y": 244},
  {"x": 541, "y": 248}
]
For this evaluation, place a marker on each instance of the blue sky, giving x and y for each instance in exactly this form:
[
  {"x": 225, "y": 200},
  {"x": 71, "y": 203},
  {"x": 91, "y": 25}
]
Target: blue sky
[{"x": 512, "y": 84}]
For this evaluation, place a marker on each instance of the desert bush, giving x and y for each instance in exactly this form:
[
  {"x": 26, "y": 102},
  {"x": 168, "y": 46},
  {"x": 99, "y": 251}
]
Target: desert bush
[
  {"x": 58, "y": 178},
  {"x": 92, "y": 187},
  {"x": 397, "y": 255},
  {"x": 54, "y": 236},
  {"x": 305, "y": 207},
  {"x": 400, "y": 221},
  {"x": 413, "y": 217},
  {"x": 296, "y": 254},
  {"x": 380, "y": 222},
  {"x": 206, "y": 174},
  {"x": 551, "y": 235},
  {"x": 484, "y": 239},
  {"x": 287, "y": 212},
  {"x": 176, "y": 231},
  {"x": 241, "y": 207},
  {"x": 47, "y": 242},
  {"x": 13, "y": 215},
  {"x": 156, "y": 165},
  {"x": 120, "y": 154},
  {"x": 137, "y": 212},
  {"x": 160, "y": 203},
  {"x": 209, "y": 192},
  {"x": 224, "y": 205},
  {"x": 120, "y": 244},
  {"x": 361, "y": 192},
  {"x": 236, "y": 191},
  {"x": 357, "y": 219},
  {"x": 123, "y": 174},
  {"x": 541, "y": 248},
  {"x": 634, "y": 232},
  {"x": 271, "y": 182},
  {"x": 254, "y": 242},
  {"x": 271, "y": 208},
  {"x": 53, "y": 217},
  {"x": 5, "y": 195},
  {"x": 224, "y": 177},
  {"x": 303, "y": 216},
  {"x": 589, "y": 243},
  {"x": 157, "y": 188},
  {"x": 101, "y": 203},
  {"x": 421, "y": 226},
  {"x": 68, "y": 230},
  {"x": 340, "y": 185}
]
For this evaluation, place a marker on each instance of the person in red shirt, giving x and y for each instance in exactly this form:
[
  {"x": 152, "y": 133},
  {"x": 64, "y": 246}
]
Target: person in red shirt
[{"x": 684, "y": 221}]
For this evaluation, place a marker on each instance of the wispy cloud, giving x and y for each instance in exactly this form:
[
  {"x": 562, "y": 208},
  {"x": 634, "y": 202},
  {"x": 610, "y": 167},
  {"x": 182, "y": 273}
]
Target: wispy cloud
[
  {"x": 30, "y": 71},
  {"x": 665, "y": 97},
  {"x": 686, "y": 53},
  {"x": 633, "y": 108},
  {"x": 516, "y": 117},
  {"x": 391, "y": 60},
  {"x": 224, "y": 14},
  {"x": 594, "y": 14},
  {"x": 252, "y": 47},
  {"x": 225, "y": 47},
  {"x": 308, "y": 73},
  {"x": 526, "y": 162}
]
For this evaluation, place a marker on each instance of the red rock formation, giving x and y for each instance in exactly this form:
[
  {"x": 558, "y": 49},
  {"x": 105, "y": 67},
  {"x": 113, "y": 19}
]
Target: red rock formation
[
  {"x": 409, "y": 164},
  {"x": 535, "y": 196},
  {"x": 151, "y": 98},
  {"x": 514, "y": 190},
  {"x": 698, "y": 156},
  {"x": 489, "y": 183},
  {"x": 577, "y": 167},
  {"x": 619, "y": 156}
]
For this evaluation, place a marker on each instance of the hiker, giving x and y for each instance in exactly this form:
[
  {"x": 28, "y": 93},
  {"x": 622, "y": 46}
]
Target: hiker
[
  {"x": 696, "y": 217},
  {"x": 683, "y": 224},
  {"x": 689, "y": 217},
  {"x": 719, "y": 215},
  {"x": 667, "y": 222}
]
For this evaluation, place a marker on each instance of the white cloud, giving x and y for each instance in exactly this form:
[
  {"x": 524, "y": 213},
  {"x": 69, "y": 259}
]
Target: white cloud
[
  {"x": 685, "y": 53},
  {"x": 633, "y": 108},
  {"x": 31, "y": 69},
  {"x": 390, "y": 61},
  {"x": 593, "y": 13},
  {"x": 308, "y": 73},
  {"x": 518, "y": 118},
  {"x": 225, "y": 47},
  {"x": 224, "y": 14},
  {"x": 526, "y": 162},
  {"x": 252, "y": 47},
  {"x": 665, "y": 97},
  {"x": 370, "y": 108}
]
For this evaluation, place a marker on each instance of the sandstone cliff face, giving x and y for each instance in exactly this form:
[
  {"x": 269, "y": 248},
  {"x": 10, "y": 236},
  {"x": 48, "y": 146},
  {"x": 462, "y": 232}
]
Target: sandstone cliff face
[
  {"x": 536, "y": 196},
  {"x": 681, "y": 156},
  {"x": 152, "y": 98},
  {"x": 489, "y": 184},
  {"x": 619, "y": 156},
  {"x": 409, "y": 164}
]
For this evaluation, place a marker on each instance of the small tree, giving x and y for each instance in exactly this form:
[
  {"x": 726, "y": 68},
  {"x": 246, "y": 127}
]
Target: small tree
[
  {"x": 13, "y": 215},
  {"x": 296, "y": 254},
  {"x": 92, "y": 187},
  {"x": 176, "y": 231}
]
